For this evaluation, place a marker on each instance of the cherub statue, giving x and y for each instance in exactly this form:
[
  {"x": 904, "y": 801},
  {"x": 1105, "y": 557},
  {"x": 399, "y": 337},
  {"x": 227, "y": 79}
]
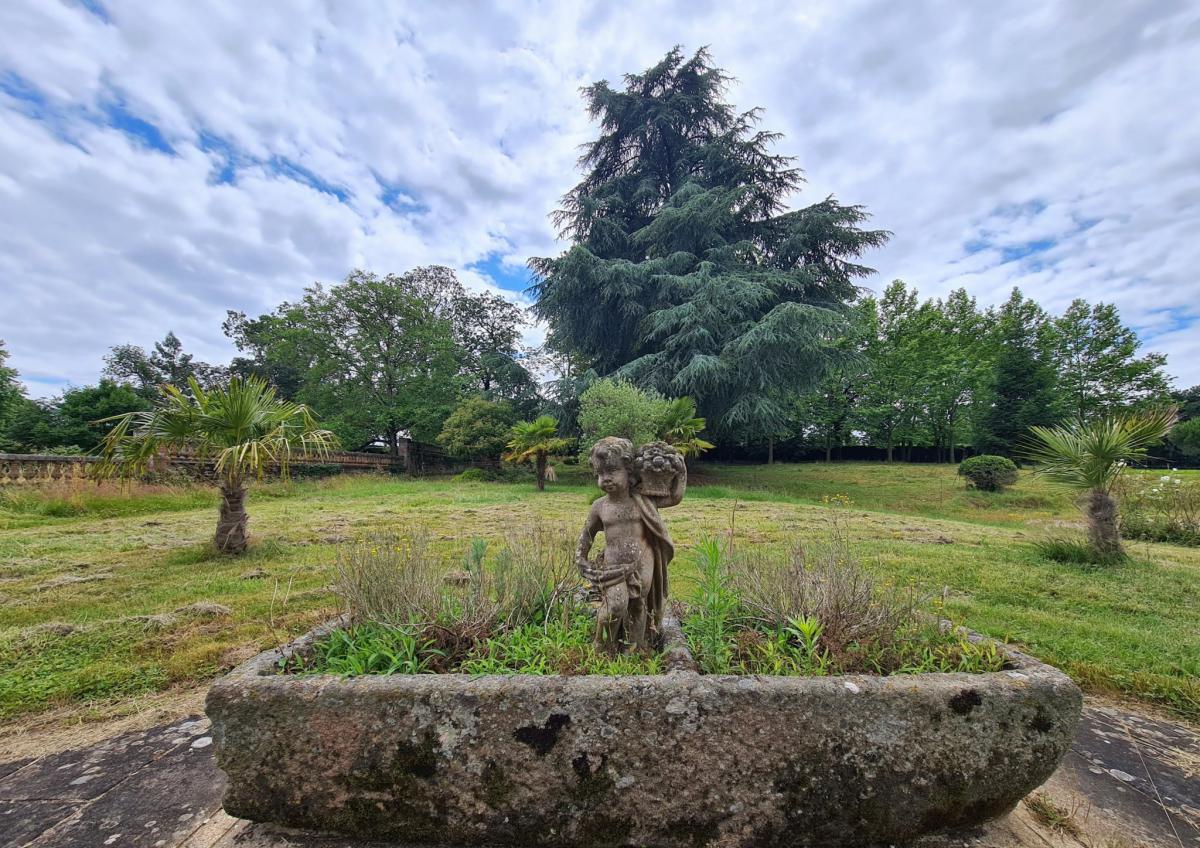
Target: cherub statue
[{"x": 632, "y": 574}]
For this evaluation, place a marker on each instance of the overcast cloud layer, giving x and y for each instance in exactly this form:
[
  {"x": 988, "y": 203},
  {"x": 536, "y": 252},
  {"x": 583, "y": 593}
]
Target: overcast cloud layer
[{"x": 163, "y": 162}]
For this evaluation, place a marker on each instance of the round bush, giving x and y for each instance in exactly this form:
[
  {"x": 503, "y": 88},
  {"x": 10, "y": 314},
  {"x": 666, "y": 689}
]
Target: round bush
[
  {"x": 470, "y": 475},
  {"x": 989, "y": 473}
]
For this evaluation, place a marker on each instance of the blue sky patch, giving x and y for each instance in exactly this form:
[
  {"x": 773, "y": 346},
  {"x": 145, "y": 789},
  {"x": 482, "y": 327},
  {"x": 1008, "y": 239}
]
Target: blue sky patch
[
  {"x": 226, "y": 172},
  {"x": 399, "y": 198},
  {"x": 96, "y": 8},
  {"x": 142, "y": 131},
  {"x": 1177, "y": 318},
  {"x": 508, "y": 277},
  {"x": 1013, "y": 252},
  {"x": 287, "y": 168}
]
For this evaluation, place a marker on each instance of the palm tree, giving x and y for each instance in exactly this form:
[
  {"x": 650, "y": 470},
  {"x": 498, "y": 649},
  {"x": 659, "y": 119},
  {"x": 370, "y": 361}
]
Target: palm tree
[
  {"x": 1090, "y": 457},
  {"x": 535, "y": 440},
  {"x": 243, "y": 428},
  {"x": 681, "y": 428}
]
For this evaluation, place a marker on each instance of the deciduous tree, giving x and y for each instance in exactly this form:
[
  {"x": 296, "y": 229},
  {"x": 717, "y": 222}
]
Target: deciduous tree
[
  {"x": 619, "y": 408},
  {"x": 376, "y": 355},
  {"x": 1099, "y": 370},
  {"x": 166, "y": 363}
]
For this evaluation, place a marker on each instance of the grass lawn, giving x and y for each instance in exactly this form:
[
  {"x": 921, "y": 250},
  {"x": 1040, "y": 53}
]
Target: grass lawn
[{"x": 97, "y": 585}]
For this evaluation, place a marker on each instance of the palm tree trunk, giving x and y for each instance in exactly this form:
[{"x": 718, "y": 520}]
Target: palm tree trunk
[
  {"x": 541, "y": 471},
  {"x": 232, "y": 520},
  {"x": 1104, "y": 535}
]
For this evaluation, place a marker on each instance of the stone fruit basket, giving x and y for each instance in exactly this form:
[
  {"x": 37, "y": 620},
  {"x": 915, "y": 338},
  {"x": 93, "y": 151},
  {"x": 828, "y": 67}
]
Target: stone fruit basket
[{"x": 680, "y": 759}]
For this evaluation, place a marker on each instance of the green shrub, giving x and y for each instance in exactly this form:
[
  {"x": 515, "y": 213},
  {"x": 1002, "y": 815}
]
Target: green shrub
[
  {"x": 1186, "y": 436},
  {"x": 619, "y": 408},
  {"x": 496, "y": 474},
  {"x": 711, "y": 628},
  {"x": 375, "y": 649},
  {"x": 413, "y": 611},
  {"x": 988, "y": 473},
  {"x": 561, "y": 646},
  {"x": 477, "y": 428}
]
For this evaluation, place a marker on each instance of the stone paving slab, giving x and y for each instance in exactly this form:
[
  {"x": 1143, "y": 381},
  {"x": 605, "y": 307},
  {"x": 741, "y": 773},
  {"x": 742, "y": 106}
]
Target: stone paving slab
[
  {"x": 8, "y": 768},
  {"x": 160, "y": 805},
  {"x": 1137, "y": 774},
  {"x": 1130, "y": 780},
  {"x": 23, "y": 821}
]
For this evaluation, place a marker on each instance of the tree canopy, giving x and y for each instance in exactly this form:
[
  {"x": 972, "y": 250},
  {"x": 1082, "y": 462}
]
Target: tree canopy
[
  {"x": 166, "y": 364},
  {"x": 687, "y": 274},
  {"x": 385, "y": 357}
]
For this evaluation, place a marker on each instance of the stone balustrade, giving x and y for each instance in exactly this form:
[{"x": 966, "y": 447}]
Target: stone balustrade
[{"x": 25, "y": 469}]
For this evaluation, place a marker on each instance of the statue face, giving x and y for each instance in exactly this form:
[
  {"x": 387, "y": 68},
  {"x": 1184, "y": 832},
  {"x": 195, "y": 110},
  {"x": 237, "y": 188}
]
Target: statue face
[{"x": 613, "y": 480}]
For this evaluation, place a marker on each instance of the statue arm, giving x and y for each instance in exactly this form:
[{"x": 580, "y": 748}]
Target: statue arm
[{"x": 583, "y": 547}]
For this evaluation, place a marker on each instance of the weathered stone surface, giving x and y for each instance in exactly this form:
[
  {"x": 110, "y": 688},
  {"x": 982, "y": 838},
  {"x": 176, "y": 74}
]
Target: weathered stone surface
[
  {"x": 155, "y": 807},
  {"x": 631, "y": 573},
  {"x": 675, "y": 760},
  {"x": 83, "y": 774},
  {"x": 1108, "y": 810},
  {"x": 21, "y": 821}
]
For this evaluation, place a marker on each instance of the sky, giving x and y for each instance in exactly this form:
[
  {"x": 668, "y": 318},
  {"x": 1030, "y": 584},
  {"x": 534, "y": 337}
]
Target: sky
[{"x": 161, "y": 163}]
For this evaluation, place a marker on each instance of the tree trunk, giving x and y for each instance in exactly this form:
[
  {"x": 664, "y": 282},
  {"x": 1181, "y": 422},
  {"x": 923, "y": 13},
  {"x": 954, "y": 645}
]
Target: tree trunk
[
  {"x": 232, "y": 520},
  {"x": 828, "y": 451},
  {"x": 541, "y": 472},
  {"x": 1104, "y": 535},
  {"x": 770, "y": 450},
  {"x": 889, "y": 459}
]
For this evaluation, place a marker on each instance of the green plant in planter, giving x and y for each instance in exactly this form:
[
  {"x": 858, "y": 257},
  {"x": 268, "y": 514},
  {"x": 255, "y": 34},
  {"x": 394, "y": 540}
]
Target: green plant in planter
[
  {"x": 815, "y": 611},
  {"x": 988, "y": 473},
  {"x": 711, "y": 629}
]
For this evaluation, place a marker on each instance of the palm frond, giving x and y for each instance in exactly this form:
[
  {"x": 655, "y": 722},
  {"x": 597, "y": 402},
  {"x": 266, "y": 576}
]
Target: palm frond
[
  {"x": 528, "y": 439},
  {"x": 1091, "y": 455},
  {"x": 243, "y": 427}
]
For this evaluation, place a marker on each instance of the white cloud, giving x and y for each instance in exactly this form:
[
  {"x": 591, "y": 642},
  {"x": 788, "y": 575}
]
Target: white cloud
[{"x": 971, "y": 132}]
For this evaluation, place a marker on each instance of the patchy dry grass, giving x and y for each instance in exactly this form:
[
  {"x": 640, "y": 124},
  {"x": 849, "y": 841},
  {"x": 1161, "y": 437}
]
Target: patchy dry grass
[
  {"x": 92, "y": 603},
  {"x": 1050, "y": 815}
]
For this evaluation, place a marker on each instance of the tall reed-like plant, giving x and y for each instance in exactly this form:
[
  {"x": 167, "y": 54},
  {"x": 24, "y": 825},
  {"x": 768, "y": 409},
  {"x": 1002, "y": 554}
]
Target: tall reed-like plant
[{"x": 711, "y": 629}]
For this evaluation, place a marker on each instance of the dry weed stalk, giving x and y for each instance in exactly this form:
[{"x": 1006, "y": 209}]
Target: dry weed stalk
[
  {"x": 824, "y": 581},
  {"x": 396, "y": 580}
]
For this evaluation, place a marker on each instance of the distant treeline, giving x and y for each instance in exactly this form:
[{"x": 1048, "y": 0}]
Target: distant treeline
[{"x": 380, "y": 358}]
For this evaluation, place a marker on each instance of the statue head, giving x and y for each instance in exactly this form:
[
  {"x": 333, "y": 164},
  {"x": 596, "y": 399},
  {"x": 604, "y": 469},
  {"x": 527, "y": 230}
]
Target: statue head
[{"x": 611, "y": 459}]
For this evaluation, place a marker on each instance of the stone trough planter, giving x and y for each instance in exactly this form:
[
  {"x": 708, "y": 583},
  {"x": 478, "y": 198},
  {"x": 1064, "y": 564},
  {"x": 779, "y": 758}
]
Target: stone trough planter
[{"x": 678, "y": 759}]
